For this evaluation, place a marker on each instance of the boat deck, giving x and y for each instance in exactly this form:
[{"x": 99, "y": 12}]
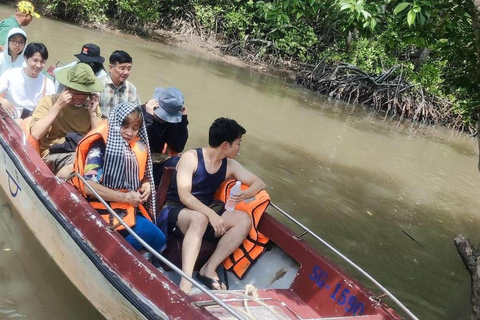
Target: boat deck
[{"x": 282, "y": 304}]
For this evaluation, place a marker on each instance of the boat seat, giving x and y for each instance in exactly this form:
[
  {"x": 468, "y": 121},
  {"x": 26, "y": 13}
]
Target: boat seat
[{"x": 174, "y": 243}]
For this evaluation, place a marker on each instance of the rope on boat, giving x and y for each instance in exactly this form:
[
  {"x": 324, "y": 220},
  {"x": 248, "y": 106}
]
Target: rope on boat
[
  {"x": 249, "y": 289},
  {"x": 251, "y": 293}
]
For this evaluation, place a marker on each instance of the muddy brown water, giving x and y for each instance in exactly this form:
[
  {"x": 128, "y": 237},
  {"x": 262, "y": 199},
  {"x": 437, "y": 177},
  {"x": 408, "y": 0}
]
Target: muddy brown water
[{"x": 365, "y": 184}]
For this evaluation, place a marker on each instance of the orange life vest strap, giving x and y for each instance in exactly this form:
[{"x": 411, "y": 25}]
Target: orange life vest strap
[{"x": 255, "y": 243}]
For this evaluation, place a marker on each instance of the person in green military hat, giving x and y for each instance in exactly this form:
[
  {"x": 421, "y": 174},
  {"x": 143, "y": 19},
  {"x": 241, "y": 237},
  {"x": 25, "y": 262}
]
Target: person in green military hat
[
  {"x": 22, "y": 18},
  {"x": 59, "y": 121}
]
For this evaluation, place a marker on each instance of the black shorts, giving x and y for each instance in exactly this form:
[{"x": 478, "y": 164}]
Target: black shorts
[{"x": 216, "y": 205}]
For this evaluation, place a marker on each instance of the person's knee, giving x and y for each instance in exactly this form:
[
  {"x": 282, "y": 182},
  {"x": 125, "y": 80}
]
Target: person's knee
[
  {"x": 245, "y": 222},
  {"x": 199, "y": 221}
]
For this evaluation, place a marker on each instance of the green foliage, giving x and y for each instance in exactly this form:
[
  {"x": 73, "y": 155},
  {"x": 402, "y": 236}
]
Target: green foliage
[
  {"x": 207, "y": 15},
  {"x": 414, "y": 12},
  {"x": 238, "y": 22},
  {"x": 430, "y": 77},
  {"x": 373, "y": 34},
  {"x": 296, "y": 42},
  {"x": 77, "y": 10},
  {"x": 356, "y": 14}
]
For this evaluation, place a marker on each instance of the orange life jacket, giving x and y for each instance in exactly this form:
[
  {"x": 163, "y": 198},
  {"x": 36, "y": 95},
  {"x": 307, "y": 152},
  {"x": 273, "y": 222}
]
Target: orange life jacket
[
  {"x": 255, "y": 243},
  {"x": 25, "y": 124},
  {"x": 101, "y": 132}
]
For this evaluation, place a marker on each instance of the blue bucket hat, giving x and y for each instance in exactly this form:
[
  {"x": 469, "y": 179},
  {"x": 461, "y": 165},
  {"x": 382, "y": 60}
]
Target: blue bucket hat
[{"x": 171, "y": 102}]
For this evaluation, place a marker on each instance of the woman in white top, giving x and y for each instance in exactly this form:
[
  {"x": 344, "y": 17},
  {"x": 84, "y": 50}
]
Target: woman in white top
[
  {"x": 13, "y": 57},
  {"x": 23, "y": 87}
]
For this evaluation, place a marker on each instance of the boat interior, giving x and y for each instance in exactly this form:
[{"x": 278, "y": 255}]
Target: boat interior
[
  {"x": 291, "y": 277},
  {"x": 290, "y": 280}
]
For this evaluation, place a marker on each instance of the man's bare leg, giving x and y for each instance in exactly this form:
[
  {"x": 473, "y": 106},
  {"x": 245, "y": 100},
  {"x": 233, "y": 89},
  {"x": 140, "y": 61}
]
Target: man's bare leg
[
  {"x": 193, "y": 225},
  {"x": 238, "y": 224}
]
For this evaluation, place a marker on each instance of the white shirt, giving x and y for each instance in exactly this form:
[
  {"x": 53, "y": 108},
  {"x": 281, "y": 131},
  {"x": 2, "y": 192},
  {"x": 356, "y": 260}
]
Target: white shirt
[{"x": 23, "y": 91}]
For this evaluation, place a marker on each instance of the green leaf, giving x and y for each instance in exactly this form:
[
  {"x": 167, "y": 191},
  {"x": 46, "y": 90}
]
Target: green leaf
[
  {"x": 421, "y": 19},
  {"x": 299, "y": 15},
  {"x": 416, "y": 8},
  {"x": 411, "y": 17},
  {"x": 427, "y": 13},
  {"x": 345, "y": 6},
  {"x": 400, "y": 7},
  {"x": 366, "y": 14},
  {"x": 373, "y": 24}
]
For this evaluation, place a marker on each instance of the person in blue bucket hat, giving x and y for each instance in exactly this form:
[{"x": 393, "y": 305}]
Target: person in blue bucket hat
[{"x": 166, "y": 122}]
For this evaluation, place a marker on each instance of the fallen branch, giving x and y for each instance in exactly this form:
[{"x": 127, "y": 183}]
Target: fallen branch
[{"x": 470, "y": 258}]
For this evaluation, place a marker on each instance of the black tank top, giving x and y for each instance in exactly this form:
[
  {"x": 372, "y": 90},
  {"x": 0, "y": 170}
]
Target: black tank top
[{"x": 204, "y": 184}]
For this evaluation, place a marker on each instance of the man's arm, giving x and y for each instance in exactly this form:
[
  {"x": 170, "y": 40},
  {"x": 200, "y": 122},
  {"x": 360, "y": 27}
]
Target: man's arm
[
  {"x": 147, "y": 110},
  {"x": 185, "y": 170},
  {"x": 241, "y": 174},
  {"x": 41, "y": 123},
  {"x": 7, "y": 105},
  {"x": 177, "y": 135}
]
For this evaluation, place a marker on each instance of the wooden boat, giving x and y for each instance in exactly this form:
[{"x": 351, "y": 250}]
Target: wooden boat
[{"x": 291, "y": 280}]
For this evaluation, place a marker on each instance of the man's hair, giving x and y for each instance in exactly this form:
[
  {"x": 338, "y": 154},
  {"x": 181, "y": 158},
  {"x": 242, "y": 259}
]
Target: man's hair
[
  {"x": 224, "y": 129},
  {"x": 119, "y": 56},
  {"x": 35, "y": 47}
]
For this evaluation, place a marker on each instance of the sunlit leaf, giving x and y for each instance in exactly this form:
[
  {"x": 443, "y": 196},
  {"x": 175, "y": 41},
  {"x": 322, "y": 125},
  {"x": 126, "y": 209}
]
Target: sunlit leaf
[
  {"x": 411, "y": 17},
  {"x": 400, "y": 7},
  {"x": 345, "y": 6},
  {"x": 366, "y": 14}
]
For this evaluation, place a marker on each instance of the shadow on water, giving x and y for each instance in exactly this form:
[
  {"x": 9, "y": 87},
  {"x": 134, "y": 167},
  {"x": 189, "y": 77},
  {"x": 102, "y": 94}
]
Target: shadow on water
[{"x": 371, "y": 219}]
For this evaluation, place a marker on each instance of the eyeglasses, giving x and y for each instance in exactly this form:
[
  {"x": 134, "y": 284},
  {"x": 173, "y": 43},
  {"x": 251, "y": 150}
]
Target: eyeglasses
[
  {"x": 78, "y": 93},
  {"x": 17, "y": 42}
]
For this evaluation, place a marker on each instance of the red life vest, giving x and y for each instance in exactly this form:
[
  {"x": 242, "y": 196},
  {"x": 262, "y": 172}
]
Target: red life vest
[
  {"x": 101, "y": 132},
  {"x": 255, "y": 243}
]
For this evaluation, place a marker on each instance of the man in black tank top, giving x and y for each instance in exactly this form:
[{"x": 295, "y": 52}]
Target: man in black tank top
[{"x": 199, "y": 174}]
